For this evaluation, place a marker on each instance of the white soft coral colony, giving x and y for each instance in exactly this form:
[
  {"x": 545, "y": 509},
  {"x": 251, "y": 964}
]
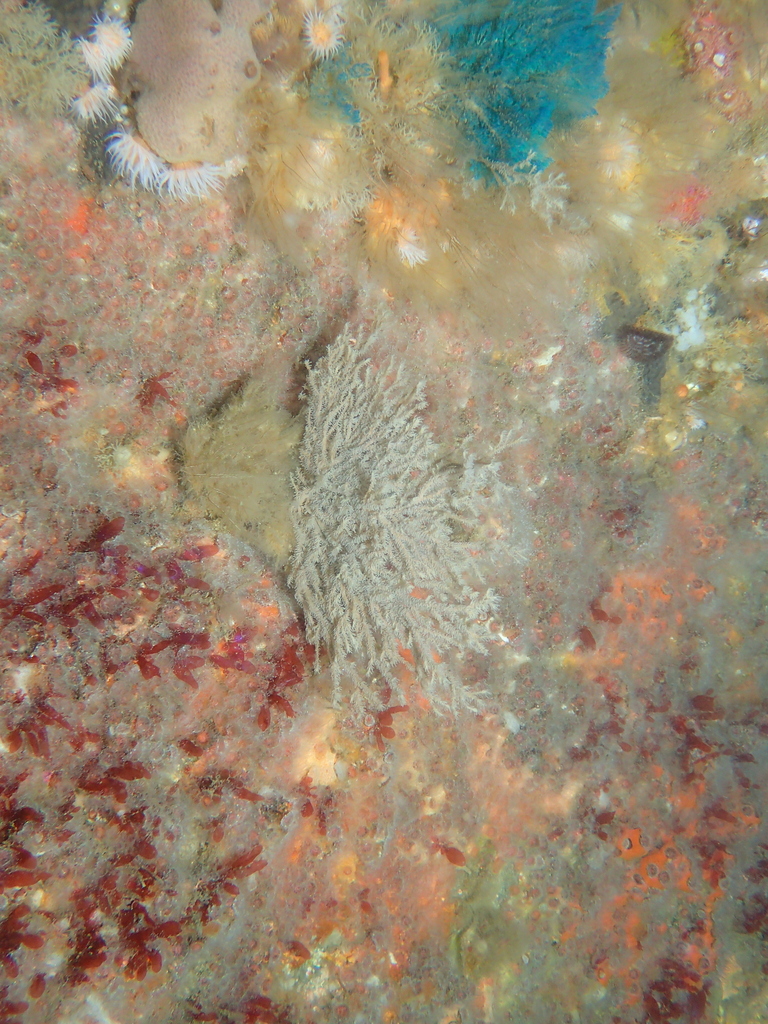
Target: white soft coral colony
[{"x": 381, "y": 565}]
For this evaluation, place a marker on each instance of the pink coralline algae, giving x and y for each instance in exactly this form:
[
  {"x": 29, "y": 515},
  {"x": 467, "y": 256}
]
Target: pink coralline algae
[{"x": 713, "y": 45}]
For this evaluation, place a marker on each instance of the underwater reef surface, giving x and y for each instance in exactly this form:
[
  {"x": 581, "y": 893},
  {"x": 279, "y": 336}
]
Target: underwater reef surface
[
  {"x": 386, "y": 119},
  {"x": 196, "y": 823}
]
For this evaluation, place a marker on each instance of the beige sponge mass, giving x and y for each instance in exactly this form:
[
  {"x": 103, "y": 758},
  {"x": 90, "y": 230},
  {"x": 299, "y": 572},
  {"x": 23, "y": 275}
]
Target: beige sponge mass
[
  {"x": 239, "y": 464},
  {"x": 189, "y": 66}
]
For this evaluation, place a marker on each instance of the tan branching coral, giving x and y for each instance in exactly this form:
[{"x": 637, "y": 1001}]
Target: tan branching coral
[{"x": 40, "y": 67}]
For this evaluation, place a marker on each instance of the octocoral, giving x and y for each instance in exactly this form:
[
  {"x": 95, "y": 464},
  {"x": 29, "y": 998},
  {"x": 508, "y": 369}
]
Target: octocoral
[
  {"x": 382, "y": 565},
  {"x": 379, "y": 558},
  {"x": 40, "y": 67},
  {"x": 527, "y": 66}
]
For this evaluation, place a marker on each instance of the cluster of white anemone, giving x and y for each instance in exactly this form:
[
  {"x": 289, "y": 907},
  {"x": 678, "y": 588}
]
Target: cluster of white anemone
[
  {"x": 135, "y": 161},
  {"x": 323, "y": 31},
  {"x": 103, "y": 53},
  {"x": 130, "y": 156}
]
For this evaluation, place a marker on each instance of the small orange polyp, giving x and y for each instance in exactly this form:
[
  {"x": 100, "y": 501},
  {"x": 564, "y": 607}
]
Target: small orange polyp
[
  {"x": 630, "y": 845},
  {"x": 385, "y": 77}
]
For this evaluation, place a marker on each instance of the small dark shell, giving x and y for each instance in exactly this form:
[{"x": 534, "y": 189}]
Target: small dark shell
[{"x": 641, "y": 344}]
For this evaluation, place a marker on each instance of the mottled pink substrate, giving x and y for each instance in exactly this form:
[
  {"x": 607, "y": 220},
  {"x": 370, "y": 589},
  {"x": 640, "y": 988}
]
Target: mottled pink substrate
[
  {"x": 191, "y": 832},
  {"x": 715, "y": 42}
]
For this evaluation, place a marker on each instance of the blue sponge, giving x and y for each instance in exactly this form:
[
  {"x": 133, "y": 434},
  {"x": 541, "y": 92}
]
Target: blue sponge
[{"x": 526, "y": 66}]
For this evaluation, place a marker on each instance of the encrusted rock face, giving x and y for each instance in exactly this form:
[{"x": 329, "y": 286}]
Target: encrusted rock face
[
  {"x": 190, "y": 828},
  {"x": 190, "y": 64}
]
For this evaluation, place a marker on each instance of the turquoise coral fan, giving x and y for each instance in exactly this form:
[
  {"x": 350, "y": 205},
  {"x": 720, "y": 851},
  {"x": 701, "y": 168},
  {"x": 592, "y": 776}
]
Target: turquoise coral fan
[
  {"x": 528, "y": 67},
  {"x": 518, "y": 69}
]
